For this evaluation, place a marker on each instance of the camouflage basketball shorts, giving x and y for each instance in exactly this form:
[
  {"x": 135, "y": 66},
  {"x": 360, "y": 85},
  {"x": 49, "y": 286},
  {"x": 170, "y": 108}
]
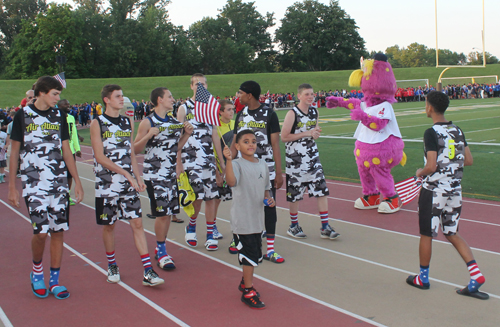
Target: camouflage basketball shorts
[
  {"x": 225, "y": 193},
  {"x": 203, "y": 183},
  {"x": 48, "y": 212},
  {"x": 295, "y": 189},
  {"x": 109, "y": 210},
  {"x": 439, "y": 209},
  {"x": 163, "y": 197}
]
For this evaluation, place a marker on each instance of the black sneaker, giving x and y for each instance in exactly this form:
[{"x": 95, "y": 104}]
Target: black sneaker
[
  {"x": 241, "y": 287},
  {"x": 250, "y": 298}
]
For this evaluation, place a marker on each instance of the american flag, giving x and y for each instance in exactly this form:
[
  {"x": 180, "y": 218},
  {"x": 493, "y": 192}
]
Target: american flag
[
  {"x": 60, "y": 77},
  {"x": 409, "y": 189},
  {"x": 206, "y": 107}
]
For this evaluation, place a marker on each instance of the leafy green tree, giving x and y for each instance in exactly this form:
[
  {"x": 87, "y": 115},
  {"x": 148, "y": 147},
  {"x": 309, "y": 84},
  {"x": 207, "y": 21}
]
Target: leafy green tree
[
  {"x": 317, "y": 37},
  {"x": 236, "y": 41},
  {"x": 12, "y": 12},
  {"x": 476, "y": 58},
  {"x": 42, "y": 39}
]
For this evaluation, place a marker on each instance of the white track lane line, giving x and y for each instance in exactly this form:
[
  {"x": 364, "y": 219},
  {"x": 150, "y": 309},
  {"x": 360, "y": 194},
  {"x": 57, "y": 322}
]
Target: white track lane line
[
  {"x": 104, "y": 272},
  {"x": 348, "y": 222},
  {"x": 336, "y": 252},
  {"x": 4, "y": 319},
  {"x": 326, "y": 304}
]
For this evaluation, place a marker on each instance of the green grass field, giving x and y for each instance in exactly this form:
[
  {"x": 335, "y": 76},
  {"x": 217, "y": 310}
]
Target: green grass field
[
  {"x": 88, "y": 90},
  {"x": 479, "y": 119}
]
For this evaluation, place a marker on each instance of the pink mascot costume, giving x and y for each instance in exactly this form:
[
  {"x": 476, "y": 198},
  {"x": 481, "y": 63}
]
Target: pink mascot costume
[{"x": 379, "y": 145}]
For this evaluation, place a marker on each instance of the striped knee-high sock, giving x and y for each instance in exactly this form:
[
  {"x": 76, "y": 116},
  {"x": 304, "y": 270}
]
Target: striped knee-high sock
[
  {"x": 323, "y": 215},
  {"x": 146, "y": 262},
  {"x": 476, "y": 278},
  {"x": 294, "y": 217}
]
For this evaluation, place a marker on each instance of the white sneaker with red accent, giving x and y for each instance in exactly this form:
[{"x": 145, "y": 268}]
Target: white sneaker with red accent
[
  {"x": 367, "y": 202},
  {"x": 390, "y": 205}
]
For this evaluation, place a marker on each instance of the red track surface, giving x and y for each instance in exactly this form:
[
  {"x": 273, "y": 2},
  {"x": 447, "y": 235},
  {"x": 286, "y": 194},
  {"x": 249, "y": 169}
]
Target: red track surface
[{"x": 201, "y": 289}]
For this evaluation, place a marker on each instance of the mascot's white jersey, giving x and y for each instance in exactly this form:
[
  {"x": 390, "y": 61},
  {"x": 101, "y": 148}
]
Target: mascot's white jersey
[{"x": 381, "y": 111}]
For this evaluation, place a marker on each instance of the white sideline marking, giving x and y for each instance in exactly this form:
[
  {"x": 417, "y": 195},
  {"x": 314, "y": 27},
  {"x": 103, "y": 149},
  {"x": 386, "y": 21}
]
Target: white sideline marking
[
  {"x": 4, "y": 319},
  {"x": 331, "y": 306},
  {"x": 367, "y": 226},
  {"x": 122, "y": 284}
]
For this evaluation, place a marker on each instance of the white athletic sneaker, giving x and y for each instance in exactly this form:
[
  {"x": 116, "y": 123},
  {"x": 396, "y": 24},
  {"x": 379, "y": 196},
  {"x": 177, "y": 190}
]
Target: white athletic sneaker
[
  {"x": 296, "y": 232},
  {"x": 113, "y": 274},
  {"x": 151, "y": 278},
  {"x": 216, "y": 234}
]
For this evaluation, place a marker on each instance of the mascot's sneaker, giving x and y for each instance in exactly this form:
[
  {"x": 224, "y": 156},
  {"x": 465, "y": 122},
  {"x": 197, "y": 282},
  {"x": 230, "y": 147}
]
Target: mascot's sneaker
[
  {"x": 368, "y": 202},
  {"x": 390, "y": 205}
]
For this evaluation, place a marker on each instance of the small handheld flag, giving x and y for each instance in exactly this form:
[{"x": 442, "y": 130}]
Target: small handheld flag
[
  {"x": 60, "y": 77},
  {"x": 408, "y": 189},
  {"x": 206, "y": 107}
]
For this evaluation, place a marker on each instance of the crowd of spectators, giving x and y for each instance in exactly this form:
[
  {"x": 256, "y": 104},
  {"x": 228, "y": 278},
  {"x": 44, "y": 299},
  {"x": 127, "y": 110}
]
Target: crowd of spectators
[{"x": 85, "y": 112}]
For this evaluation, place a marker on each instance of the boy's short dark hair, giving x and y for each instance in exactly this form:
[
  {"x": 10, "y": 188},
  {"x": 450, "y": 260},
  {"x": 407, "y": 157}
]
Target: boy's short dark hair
[
  {"x": 242, "y": 133},
  {"x": 252, "y": 88},
  {"x": 158, "y": 92},
  {"x": 223, "y": 103},
  {"x": 108, "y": 89},
  {"x": 197, "y": 76},
  {"x": 304, "y": 86},
  {"x": 438, "y": 100},
  {"x": 45, "y": 84}
]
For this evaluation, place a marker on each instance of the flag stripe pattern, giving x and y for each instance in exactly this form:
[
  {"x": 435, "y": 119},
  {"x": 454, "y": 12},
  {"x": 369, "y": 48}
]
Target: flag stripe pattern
[
  {"x": 408, "y": 189},
  {"x": 206, "y": 107},
  {"x": 60, "y": 77}
]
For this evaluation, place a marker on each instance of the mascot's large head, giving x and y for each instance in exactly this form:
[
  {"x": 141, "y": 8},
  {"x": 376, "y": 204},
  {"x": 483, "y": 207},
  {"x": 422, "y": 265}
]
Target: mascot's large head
[{"x": 376, "y": 79}]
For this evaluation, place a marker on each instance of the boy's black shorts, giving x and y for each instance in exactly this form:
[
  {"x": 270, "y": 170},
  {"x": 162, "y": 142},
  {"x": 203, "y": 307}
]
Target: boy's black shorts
[{"x": 249, "y": 248}]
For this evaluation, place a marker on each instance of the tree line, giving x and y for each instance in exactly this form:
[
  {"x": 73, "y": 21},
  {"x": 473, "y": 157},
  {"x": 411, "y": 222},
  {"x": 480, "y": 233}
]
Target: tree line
[{"x": 135, "y": 38}]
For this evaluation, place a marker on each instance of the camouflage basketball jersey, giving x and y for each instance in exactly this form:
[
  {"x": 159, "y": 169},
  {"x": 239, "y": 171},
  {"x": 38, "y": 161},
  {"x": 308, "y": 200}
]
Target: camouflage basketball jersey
[
  {"x": 43, "y": 170},
  {"x": 198, "y": 151},
  {"x": 258, "y": 121},
  {"x": 117, "y": 142},
  {"x": 302, "y": 155},
  {"x": 450, "y": 160},
  {"x": 161, "y": 150}
]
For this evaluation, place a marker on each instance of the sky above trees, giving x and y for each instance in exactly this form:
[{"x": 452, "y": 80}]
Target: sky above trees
[{"x": 382, "y": 23}]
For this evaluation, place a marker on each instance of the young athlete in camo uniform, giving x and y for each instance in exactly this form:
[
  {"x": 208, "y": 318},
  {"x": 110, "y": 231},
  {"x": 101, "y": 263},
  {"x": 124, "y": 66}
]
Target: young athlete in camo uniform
[
  {"x": 40, "y": 136},
  {"x": 117, "y": 182},
  {"x": 198, "y": 161},
  {"x": 265, "y": 123},
  {"x": 161, "y": 135},
  {"x": 440, "y": 201},
  {"x": 303, "y": 168}
]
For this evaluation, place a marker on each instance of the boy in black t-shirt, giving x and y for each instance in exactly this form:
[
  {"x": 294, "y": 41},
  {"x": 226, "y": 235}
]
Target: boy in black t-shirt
[
  {"x": 40, "y": 138},
  {"x": 440, "y": 201},
  {"x": 265, "y": 124}
]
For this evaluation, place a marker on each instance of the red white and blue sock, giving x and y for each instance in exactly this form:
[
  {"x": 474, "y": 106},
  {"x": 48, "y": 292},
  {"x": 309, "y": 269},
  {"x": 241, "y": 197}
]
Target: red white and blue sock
[
  {"x": 476, "y": 278},
  {"x": 111, "y": 258},
  {"x": 324, "y": 219},
  {"x": 37, "y": 272},
  {"x": 424, "y": 274},
  {"x": 270, "y": 244},
  {"x": 162, "y": 251},
  {"x": 146, "y": 262},
  {"x": 54, "y": 277},
  {"x": 210, "y": 231},
  {"x": 294, "y": 217},
  {"x": 192, "y": 224}
]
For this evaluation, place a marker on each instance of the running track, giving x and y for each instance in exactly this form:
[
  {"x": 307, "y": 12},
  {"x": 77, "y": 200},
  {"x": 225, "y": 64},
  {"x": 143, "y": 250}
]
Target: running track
[{"x": 202, "y": 291}]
